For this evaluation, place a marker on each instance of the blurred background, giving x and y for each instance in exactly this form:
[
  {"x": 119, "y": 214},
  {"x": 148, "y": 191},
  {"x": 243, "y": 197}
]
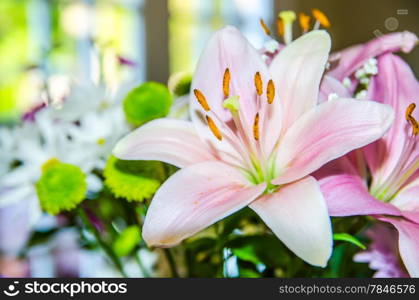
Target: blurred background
[
  {"x": 82, "y": 51},
  {"x": 48, "y": 43}
]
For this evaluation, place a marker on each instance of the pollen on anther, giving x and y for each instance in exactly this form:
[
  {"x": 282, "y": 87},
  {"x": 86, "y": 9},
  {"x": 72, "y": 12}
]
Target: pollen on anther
[
  {"x": 226, "y": 83},
  {"x": 258, "y": 83},
  {"x": 304, "y": 21},
  {"x": 270, "y": 91},
  {"x": 415, "y": 126},
  {"x": 321, "y": 17},
  {"x": 214, "y": 129},
  {"x": 411, "y": 120},
  {"x": 280, "y": 26},
  {"x": 256, "y": 127},
  {"x": 409, "y": 110},
  {"x": 201, "y": 99},
  {"x": 265, "y": 27}
]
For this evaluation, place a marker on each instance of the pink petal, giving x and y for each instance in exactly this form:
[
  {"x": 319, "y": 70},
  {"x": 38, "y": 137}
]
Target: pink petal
[
  {"x": 407, "y": 200},
  {"x": 297, "y": 214},
  {"x": 331, "y": 85},
  {"x": 329, "y": 131},
  {"x": 169, "y": 140},
  {"x": 193, "y": 199},
  {"x": 347, "y": 195},
  {"x": 297, "y": 71},
  {"x": 408, "y": 243},
  {"x": 395, "y": 85},
  {"x": 353, "y": 58}
]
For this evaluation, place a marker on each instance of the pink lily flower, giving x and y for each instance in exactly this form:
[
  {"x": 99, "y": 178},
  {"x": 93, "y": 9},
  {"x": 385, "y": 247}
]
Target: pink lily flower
[
  {"x": 257, "y": 132},
  {"x": 346, "y": 62},
  {"x": 393, "y": 192}
]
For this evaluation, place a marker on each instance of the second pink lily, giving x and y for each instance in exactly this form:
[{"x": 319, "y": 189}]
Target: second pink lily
[{"x": 257, "y": 132}]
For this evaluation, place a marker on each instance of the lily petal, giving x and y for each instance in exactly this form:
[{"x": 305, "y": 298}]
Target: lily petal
[
  {"x": 329, "y": 131},
  {"x": 169, "y": 140},
  {"x": 354, "y": 57},
  {"x": 297, "y": 214},
  {"x": 330, "y": 86},
  {"x": 347, "y": 195},
  {"x": 408, "y": 243},
  {"x": 297, "y": 71},
  {"x": 193, "y": 199},
  {"x": 407, "y": 200},
  {"x": 395, "y": 85}
]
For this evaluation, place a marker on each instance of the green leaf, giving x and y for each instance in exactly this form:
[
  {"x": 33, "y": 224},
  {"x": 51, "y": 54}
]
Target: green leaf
[
  {"x": 248, "y": 273},
  {"x": 346, "y": 237},
  {"x": 149, "y": 101},
  {"x": 247, "y": 253},
  {"x": 266, "y": 249},
  {"x": 61, "y": 186},
  {"x": 127, "y": 241},
  {"x": 133, "y": 180}
]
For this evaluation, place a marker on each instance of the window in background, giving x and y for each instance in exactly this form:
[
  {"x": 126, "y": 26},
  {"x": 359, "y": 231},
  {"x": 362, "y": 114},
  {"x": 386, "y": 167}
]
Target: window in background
[
  {"x": 51, "y": 43},
  {"x": 192, "y": 22}
]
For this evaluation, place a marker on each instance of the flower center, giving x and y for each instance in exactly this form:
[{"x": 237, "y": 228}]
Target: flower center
[
  {"x": 243, "y": 137},
  {"x": 405, "y": 166}
]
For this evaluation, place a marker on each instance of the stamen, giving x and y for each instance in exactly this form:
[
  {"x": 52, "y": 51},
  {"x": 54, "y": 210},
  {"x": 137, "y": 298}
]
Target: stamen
[
  {"x": 409, "y": 110},
  {"x": 270, "y": 91},
  {"x": 265, "y": 27},
  {"x": 304, "y": 22},
  {"x": 415, "y": 126},
  {"x": 214, "y": 128},
  {"x": 256, "y": 127},
  {"x": 258, "y": 83},
  {"x": 320, "y": 17},
  {"x": 201, "y": 99},
  {"x": 280, "y": 26},
  {"x": 226, "y": 83},
  {"x": 411, "y": 120},
  {"x": 288, "y": 17}
]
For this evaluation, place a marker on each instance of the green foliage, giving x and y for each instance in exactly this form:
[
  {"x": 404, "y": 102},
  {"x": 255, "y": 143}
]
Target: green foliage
[
  {"x": 126, "y": 242},
  {"x": 61, "y": 186},
  {"x": 133, "y": 180},
  {"x": 149, "y": 101},
  {"x": 348, "y": 238}
]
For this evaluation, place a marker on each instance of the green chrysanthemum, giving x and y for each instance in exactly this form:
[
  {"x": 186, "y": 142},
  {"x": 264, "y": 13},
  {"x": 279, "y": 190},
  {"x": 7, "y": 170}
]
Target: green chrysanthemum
[
  {"x": 61, "y": 186},
  {"x": 133, "y": 180},
  {"x": 149, "y": 101}
]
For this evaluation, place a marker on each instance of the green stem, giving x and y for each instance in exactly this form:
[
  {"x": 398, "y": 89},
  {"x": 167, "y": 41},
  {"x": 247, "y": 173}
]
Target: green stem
[
  {"x": 172, "y": 263},
  {"x": 106, "y": 248}
]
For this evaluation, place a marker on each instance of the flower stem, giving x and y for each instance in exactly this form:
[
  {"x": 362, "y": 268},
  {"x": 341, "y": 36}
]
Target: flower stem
[{"x": 172, "y": 263}]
